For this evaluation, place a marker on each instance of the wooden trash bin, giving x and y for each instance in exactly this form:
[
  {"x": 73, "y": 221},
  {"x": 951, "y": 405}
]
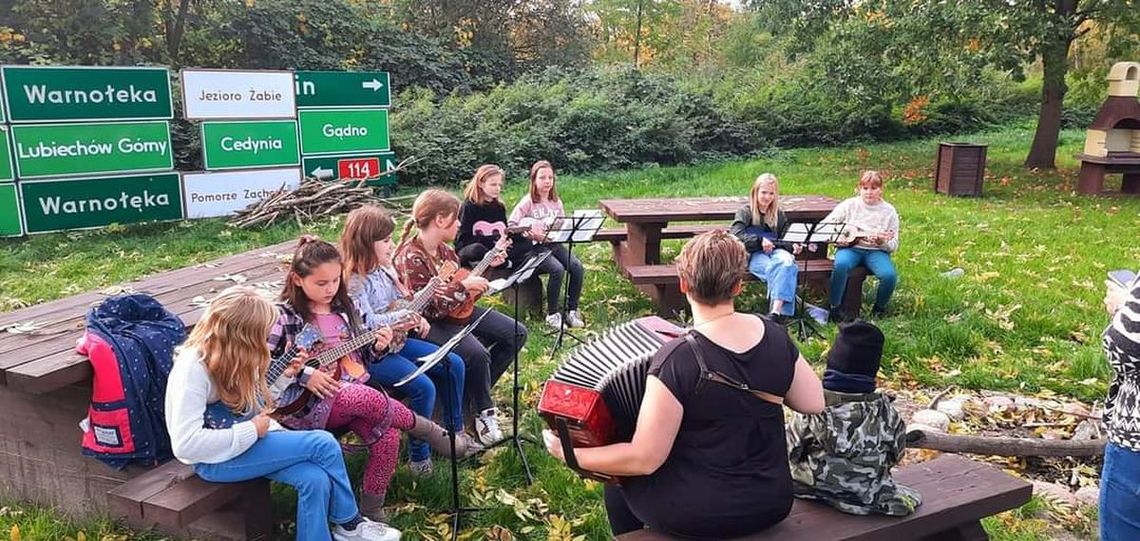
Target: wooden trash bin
[{"x": 959, "y": 168}]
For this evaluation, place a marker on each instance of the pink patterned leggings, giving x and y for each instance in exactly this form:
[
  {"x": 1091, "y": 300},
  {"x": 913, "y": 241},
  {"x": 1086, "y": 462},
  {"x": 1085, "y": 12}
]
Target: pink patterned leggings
[{"x": 372, "y": 416}]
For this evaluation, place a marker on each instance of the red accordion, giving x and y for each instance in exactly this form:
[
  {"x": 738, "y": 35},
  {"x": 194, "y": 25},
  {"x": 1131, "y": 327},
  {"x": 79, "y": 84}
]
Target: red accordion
[{"x": 593, "y": 398}]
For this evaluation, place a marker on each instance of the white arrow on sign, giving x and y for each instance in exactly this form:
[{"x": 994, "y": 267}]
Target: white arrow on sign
[
  {"x": 321, "y": 172},
  {"x": 373, "y": 85}
]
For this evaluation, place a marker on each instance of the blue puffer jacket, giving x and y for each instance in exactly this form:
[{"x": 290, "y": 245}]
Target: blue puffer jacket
[{"x": 130, "y": 340}]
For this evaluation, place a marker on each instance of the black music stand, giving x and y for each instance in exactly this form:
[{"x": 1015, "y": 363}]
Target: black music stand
[
  {"x": 524, "y": 272},
  {"x": 577, "y": 228},
  {"x": 807, "y": 233},
  {"x": 426, "y": 363}
]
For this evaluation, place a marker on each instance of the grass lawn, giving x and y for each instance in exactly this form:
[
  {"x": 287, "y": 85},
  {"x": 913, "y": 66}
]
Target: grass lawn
[{"x": 1026, "y": 315}]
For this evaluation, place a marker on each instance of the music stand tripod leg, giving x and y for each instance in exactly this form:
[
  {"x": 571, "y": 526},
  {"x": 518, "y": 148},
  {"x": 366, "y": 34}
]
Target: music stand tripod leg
[
  {"x": 456, "y": 510},
  {"x": 563, "y": 327},
  {"x": 515, "y": 437}
]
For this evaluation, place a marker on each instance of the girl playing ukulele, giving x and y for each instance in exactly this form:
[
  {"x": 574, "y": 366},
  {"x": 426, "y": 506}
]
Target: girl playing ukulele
[
  {"x": 488, "y": 353},
  {"x": 375, "y": 287},
  {"x": 315, "y": 297},
  {"x": 871, "y": 236},
  {"x": 216, "y": 413},
  {"x": 538, "y": 209}
]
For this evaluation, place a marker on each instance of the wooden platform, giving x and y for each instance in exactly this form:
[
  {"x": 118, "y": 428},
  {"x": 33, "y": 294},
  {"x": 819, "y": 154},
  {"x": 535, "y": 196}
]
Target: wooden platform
[
  {"x": 957, "y": 493},
  {"x": 45, "y": 386}
]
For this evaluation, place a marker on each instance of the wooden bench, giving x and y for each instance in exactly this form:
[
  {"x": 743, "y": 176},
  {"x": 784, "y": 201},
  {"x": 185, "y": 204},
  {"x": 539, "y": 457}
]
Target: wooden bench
[
  {"x": 1094, "y": 168},
  {"x": 957, "y": 493},
  {"x": 175, "y": 501},
  {"x": 815, "y": 272}
]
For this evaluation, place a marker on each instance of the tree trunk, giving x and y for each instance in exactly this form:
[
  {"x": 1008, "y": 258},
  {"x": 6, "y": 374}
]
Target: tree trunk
[
  {"x": 175, "y": 32},
  {"x": 1055, "y": 58},
  {"x": 1004, "y": 446},
  {"x": 637, "y": 37}
]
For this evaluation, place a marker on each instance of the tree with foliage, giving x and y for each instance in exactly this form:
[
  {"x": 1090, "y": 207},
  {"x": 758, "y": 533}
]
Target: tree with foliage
[{"x": 931, "y": 36}]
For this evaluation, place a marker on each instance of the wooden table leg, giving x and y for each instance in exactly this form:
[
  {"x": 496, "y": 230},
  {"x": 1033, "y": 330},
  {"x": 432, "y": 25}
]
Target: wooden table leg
[
  {"x": 643, "y": 245},
  {"x": 1091, "y": 179},
  {"x": 1130, "y": 183}
]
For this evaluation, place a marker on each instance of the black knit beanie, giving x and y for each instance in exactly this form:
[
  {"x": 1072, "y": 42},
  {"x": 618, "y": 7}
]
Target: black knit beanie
[{"x": 858, "y": 349}]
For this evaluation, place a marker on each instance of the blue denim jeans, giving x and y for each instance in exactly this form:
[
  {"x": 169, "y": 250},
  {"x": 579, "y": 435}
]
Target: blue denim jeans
[
  {"x": 877, "y": 261},
  {"x": 421, "y": 390},
  {"x": 310, "y": 461},
  {"x": 1120, "y": 494},
  {"x": 779, "y": 271}
]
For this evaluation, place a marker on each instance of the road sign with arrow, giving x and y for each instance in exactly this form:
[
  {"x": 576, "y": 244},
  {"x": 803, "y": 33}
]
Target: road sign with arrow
[
  {"x": 342, "y": 89},
  {"x": 353, "y": 167}
]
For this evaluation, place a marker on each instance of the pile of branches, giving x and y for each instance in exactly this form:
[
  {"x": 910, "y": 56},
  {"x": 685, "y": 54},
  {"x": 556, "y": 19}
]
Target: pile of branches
[{"x": 314, "y": 199}]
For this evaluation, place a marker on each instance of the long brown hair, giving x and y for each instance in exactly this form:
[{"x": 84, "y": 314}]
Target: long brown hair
[
  {"x": 534, "y": 169},
  {"x": 772, "y": 213},
  {"x": 430, "y": 204},
  {"x": 312, "y": 252},
  {"x": 474, "y": 190},
  {"x": 232, "y": 339},
  {"x": 364, "y": 226}
]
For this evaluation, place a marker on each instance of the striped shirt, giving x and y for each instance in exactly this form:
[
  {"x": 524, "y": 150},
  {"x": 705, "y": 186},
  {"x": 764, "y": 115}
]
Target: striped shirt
[{"x": 1122, "y": 347}]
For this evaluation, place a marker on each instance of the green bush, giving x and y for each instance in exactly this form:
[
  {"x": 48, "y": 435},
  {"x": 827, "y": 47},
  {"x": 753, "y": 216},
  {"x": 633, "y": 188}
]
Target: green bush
[{"x": 621, "y": 118}]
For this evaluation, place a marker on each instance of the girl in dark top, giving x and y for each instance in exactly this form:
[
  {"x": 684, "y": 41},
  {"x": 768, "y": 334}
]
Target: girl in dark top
[
  {"x": 757, "y": 225},
  {"x": 483, "y": 220},
  {"x": 709, "y": 460}
]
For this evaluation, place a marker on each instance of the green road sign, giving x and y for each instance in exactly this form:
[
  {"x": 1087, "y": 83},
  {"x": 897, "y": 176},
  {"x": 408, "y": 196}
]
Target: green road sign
[
  {"x": 10, "y": 223},
  {"x": 53, "y": 150},
  {"x": 55, "y": 205},
  {"x": 338, "y": 131},
  {"x": 6, "y": 173},
  {"x": 79, "y": 94},
  {"x": 368, "y": 166},
  {"x": 240, "y": 145},
  {"x": 342, "y": 89}
]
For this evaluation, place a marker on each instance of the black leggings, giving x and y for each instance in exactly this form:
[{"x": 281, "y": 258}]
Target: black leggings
[
  {"x": 558, "y": 264},
  {"x": 622, "y": 519}
]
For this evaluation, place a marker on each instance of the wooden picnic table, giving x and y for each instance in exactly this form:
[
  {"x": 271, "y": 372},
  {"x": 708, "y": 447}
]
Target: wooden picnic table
[{"x": 645, "y": 219}]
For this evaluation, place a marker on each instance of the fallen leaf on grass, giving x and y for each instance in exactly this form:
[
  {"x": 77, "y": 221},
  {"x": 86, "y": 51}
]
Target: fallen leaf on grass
[
  {"x": 235, "y": 278},
  {"x": 117, "y": 290}
]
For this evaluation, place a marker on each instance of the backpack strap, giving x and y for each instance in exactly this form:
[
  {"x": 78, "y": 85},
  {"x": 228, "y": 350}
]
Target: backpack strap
[{"x": 717, "y": 377}]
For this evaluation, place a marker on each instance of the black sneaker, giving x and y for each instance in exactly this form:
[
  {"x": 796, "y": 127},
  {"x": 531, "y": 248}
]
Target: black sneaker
[
  {"x": 836, "y": 315},
  {"x": 880, "y": 312}
]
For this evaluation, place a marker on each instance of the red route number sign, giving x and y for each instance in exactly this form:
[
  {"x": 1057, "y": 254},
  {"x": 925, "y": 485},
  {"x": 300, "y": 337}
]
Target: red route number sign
[{"x": 358, "y": 168}]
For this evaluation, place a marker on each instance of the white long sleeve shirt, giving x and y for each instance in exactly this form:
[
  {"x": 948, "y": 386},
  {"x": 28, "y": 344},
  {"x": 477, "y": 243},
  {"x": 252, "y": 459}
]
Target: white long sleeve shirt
[
  {"x": 188, "y": 392},
  {"x": 876, "y": 218}
]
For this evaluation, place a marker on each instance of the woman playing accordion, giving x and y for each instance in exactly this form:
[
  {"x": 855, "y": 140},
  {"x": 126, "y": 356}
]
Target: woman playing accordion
[{"x": 708, "y": 457}]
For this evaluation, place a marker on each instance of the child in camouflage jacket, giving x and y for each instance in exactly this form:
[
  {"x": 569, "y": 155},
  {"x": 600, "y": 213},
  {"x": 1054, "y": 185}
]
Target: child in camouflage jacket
[{"x": 844, "y": 455}]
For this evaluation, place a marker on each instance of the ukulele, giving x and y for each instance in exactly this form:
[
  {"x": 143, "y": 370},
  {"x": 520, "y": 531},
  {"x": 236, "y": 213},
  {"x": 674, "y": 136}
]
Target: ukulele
[
  {"x": 461, "y": 314},
  {"x": 419, "y": 302},
  {"x": 852, "y": 233},
  {"x": 291, "y": 401}
]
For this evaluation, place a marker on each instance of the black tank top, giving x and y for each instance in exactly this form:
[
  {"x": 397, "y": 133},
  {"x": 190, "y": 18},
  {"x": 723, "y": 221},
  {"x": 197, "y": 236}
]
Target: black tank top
[{"x": 727, "y": 474}]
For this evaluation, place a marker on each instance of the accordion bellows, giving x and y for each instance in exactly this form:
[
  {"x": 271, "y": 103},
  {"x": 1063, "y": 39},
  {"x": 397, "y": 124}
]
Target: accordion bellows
[{"x": 597, "y": 391}]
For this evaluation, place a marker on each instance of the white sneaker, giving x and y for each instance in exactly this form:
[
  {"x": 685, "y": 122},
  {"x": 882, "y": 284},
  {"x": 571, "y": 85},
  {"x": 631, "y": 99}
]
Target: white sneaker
[
  {"x": 367, "y": 530},
  {"x": 574, "y": 319},
  {"x": 487, "y": 430},
  {"x": 554, "y": 320}
]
